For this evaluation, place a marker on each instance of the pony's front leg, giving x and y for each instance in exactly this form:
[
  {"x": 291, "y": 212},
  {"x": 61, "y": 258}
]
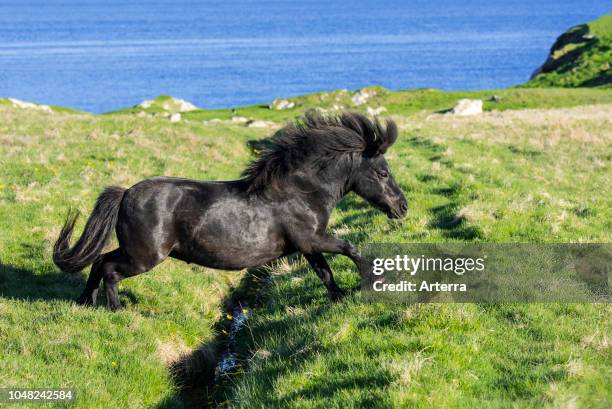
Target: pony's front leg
[
  {"x": 319, "y": 265},
  {"x": 330, "y": 244}
]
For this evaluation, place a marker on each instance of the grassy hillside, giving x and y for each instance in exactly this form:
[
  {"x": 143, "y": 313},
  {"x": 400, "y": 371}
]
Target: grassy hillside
[
  {"x": 388, "y": 102},
  {"x": 517, "y": 176},
  {"x": 510, "y": 175},
  {"x": 49, "y": 161},
  {"x": 581, "y": 57}
]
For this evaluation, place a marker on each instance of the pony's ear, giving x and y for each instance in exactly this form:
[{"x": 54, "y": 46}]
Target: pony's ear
[{"x": 385, "y": 137}]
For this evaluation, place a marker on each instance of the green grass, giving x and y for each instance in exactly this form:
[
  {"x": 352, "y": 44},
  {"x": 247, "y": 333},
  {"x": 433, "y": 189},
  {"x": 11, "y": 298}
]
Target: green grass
[
  {"x": 523, "y": 176},
  {"x": 509, "y": 176},
  {"x": 581, "y": 57},
  {"x": 49, "y": 162},
  {"x": 396, "y": 102}
]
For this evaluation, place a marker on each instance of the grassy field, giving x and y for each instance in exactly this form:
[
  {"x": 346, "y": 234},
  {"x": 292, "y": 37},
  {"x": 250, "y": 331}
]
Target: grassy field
[
  {"x": 509, "y": 175},
  {"x": 51, "y": 161},
  {"x": 516, "y": 176},
  {"x": 393, "y": 102}
]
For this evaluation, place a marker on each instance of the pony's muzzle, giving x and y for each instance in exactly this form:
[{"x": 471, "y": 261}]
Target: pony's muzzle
[
  {"x": 400, "y": 210},
  {"x": 403, "y": 207}
]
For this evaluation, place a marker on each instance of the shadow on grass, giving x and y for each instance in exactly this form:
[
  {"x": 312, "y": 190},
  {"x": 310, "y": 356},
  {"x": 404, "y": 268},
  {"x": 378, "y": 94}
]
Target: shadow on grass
[
  {"x": 453, "y": 224},
  {"x": 24, "y": 284},
  {"x": 357, "y": 214},
  {"x": 287, "y": 326},
  {"x": 194, "y": 375},
  {"x": 43, "y": 282},
  {"x": 426, "y": 144},
  {"x": 448, "y": 217}
]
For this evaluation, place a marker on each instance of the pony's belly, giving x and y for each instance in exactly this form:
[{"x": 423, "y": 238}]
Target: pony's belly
[
  {"x": 232, "y": 235},
  {"x": 230, "y": 257}
]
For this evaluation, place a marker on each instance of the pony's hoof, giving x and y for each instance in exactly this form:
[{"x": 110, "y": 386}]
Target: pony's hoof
[
  {"x": 335, "y": 296},
  {"x": 366, "y": 270},
  {"x": 84, "y": 301},
  {"x": 87, "y": 299}
]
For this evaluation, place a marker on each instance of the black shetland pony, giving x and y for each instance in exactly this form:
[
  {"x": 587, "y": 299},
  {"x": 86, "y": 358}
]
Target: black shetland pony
[{"x": 281, "y": 206}]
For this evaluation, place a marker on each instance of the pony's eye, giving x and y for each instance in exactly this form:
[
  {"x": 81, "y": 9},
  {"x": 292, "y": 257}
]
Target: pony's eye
[{"x": 383, "y": 174}]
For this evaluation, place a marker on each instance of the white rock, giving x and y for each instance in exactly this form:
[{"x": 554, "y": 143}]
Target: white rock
[
  {"x": 376, "y": 111},
  {"x": 146, "y": 104},
  {"x": 240, "y": 120},
  {"x": 178, "y": 105},
  {"x": 282, "y": 104},
  {"x": 261, "y": 124},
  {"x": 212, "y": 121},
  {"x": 185, "y": 106},
  {"x": 175, "y": 117},
  {"x": 361, "y": 97},
  {"x": 17, "y": 103},
  {"x": 358, "y": 99},
  {"x": 467, "y": 107},
  {"x": 141, "y": 114}
]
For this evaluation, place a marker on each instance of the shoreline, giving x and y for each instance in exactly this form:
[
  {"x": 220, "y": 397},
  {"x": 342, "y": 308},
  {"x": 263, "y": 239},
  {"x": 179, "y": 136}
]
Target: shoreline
[{"x": 374, "y": 100}]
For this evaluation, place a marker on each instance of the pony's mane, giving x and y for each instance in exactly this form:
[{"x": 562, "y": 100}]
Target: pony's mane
[{"x": 322, "y": 138}]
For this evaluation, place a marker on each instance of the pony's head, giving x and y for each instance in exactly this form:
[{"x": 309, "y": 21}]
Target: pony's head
[
  {"x": 372, "y": 178},
  {"x": 350, "y": 144}
]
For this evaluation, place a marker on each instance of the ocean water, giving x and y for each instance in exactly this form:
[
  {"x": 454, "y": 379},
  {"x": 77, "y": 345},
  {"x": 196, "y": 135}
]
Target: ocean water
[{"x": 101, "y": 55}]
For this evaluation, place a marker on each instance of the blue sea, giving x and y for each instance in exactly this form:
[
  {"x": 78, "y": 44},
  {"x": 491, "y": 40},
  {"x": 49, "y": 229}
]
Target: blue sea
[{"x": 99, "y": 55}]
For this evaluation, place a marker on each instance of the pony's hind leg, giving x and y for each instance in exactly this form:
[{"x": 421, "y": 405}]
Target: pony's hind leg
[
  {"x": 89, "y": 294},
  {"x": 115, "y": 268}
]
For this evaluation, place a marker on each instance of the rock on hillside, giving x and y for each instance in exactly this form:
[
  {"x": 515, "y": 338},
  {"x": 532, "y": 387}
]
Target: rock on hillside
[
  {"x": 362, "y": 96},
  {"x": 466, "y": 107},
  {"x": 165, "y": 105},
  {"x": 261, "y": 124},
  {"x": 281, "y": 104},
  {"x": 581, "y": 57},
  {"x": 17, "y": 103}
]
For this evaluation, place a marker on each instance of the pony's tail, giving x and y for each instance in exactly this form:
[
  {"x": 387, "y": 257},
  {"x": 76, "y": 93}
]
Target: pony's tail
[{"x": 96, "y": 234}]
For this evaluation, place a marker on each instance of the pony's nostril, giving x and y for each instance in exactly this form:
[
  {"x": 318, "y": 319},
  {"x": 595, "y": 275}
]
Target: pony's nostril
[{"x": 404, "y": 207}]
